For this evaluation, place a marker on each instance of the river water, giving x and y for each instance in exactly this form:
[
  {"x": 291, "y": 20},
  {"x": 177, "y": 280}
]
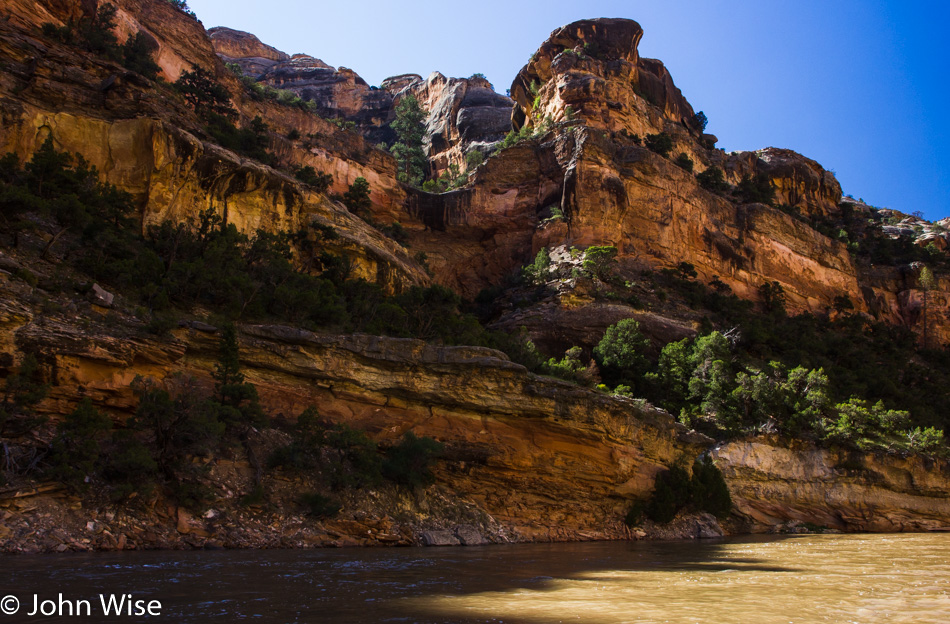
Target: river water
[{"x": 761, "y": 580}]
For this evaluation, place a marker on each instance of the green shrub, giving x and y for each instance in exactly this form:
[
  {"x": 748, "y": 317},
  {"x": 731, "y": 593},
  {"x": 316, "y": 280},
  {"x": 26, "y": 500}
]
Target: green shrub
[
  {"x": 712, "y": 180},
  {"x": 539, "y": 271},
  {"x": 319, "y": 506},
  {"x": 137, "y": 56},
  {"x": 182, "y": 5},
  {"x": 450, "y": 179},
  {"x": 569, "y": 368},
  {"x": 359, "y": 463},
  {"x": 928, "y": 440},
  {"x": 635, "y": 514},
  {"x": 356, "y": 199},
  {"x": 671, "y": 493},
  {"x": 255, "y": 497},
  {"x": 661, "y": 143},
  {"x": 130, "y": 468},
  {"x": 773, "y": 298},
  {"x": 319, "y": 181},
  {"x": 339, "y": 122},
  {"x": 251, "y": 141},
  {"x": 675, "y": 490},
  {"x": 700, "y": 121},
  {"x": 208, "y": 98},
  {"x": 22, "y": 390},
  {"x": 175, "y": 428},
  {"x": 294, "y": 456},
  {"x": 599, "y": 260},
  {"x": 396, "y": 232},
  {"x": 858, "y": 422},
  {"x": 409, "y": 463},
  {"x": 621, "y": 352},
  {"x": 77, "y": 447},
  {"x": 192, "y": 495},
  {"x": 756, "y": 189},
  {"x": 684, "y": 161},
  {"x": 708, "y": 490},
  {"x": 473, "y": 159}
]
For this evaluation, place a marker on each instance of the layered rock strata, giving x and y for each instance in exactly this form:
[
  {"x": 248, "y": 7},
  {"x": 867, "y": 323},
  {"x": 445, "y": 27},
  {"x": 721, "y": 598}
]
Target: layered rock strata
[{"x": 775, "y": 485}]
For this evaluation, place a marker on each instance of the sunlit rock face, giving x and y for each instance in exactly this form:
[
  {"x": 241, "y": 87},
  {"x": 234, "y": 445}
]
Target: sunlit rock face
[
  {"x": 547, "y": 459},
  {"x": 152, "y": 146},
  {"x": 593, "y": 67},
  {"x": 780, "y": 484},
  {"x": 463, "y": 113}
]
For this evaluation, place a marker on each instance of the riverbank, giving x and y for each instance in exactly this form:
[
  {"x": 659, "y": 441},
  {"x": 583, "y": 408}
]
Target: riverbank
[{"x": 48, "y": 519}]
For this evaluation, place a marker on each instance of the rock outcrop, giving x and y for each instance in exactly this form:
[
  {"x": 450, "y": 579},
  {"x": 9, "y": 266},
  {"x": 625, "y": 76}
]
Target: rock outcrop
[
  {"x": 147, "y": 143},
  {"x": 463, "y": 113},
  {"x": 544, "y": 459},
  {"x": 774, "y": 485},
  {"x": 594, "y": 67}
]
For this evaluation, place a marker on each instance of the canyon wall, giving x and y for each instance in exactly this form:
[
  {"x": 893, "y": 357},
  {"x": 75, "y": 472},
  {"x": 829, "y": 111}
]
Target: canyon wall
[{"x": 775, "y": 484}]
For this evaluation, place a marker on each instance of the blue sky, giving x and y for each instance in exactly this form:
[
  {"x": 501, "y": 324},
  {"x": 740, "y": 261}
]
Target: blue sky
[{"x": 858, "y": 86}]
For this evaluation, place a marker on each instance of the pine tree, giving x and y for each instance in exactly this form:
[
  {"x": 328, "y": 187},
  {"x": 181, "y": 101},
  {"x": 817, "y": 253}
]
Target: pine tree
[
  {"x": 240, "y": 405},
  {"x": 206, "y": 96},
  {"x": 137, "y": 56},
  {"x": 356, "y": 199},
  {"x": 410, "y": 128}
]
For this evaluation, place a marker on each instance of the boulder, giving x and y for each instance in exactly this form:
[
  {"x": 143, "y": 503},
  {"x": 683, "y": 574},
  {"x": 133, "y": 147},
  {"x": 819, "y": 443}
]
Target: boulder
[
  {"x": 469, "y": 535},
  {"x": 439, "y": 538},
  {"x": 101, "y": 297}
]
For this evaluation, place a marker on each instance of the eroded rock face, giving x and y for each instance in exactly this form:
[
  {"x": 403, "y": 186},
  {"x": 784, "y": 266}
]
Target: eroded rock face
[
  {"x": 240, "y": 45},
  {"x": 464, "y": 113},
  {"x": 177, "y": 41},
  {"x": 773, "y": 485},
  {"x": 593, "y": 67},
  {"x": 154, "y": 148},
  {"x": 546, "y": 459},
  {"x": 798, "y": 181}
]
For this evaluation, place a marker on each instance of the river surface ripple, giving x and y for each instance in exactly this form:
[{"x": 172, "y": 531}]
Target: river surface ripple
[{"x": 796, "y": 579}]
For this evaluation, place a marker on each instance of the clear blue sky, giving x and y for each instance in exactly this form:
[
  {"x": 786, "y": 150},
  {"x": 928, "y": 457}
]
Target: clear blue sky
[{"x": 861, "y": 87}]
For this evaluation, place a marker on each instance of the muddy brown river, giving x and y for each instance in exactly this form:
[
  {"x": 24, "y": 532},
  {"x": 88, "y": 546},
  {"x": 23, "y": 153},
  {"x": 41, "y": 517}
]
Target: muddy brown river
[{"x": 761, "y": 580}]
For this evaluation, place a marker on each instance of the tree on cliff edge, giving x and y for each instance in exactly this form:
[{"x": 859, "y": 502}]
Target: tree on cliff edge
[{"x": 410, "y": 128}]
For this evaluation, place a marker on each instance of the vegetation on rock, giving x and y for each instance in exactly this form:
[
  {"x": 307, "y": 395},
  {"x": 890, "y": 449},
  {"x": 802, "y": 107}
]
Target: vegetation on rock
[{"x": 410, "y": 130}]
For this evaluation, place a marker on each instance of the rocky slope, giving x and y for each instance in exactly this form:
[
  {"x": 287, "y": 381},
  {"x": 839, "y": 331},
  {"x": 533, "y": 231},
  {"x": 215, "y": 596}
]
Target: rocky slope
[
  {"x": 528, "y": 457},
  {"x": 146, "y": 142}
]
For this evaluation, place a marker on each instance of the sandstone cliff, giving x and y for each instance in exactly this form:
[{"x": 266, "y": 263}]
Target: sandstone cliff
[
  {"x": 464, "y": 113},
  {"x": 775, "y": 485},
  {"x": 143, "y": 139},
  {"x": 528, "y": 457}
]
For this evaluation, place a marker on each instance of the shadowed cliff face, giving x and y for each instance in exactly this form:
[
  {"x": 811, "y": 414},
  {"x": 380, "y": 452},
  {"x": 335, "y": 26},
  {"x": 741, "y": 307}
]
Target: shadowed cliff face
[{"x": 546, "y": 459}]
